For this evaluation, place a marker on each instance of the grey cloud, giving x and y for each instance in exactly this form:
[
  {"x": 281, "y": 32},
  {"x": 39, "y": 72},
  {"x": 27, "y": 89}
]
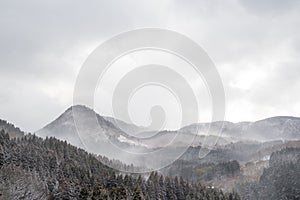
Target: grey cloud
[
  {"x": 44, "y": 43},
  {"x": 270, "y": 7}
]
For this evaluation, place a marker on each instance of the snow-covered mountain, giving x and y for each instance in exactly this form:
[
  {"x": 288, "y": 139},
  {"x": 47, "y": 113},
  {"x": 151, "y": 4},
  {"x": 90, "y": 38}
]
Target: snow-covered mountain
[
  {"x": 274, "y": 128},
  {"x": 101, "y": 135},
  {"x": 65, "y": 128},
  {"x": 126, "y": 127},
  {"x": 83, "y": 127}
]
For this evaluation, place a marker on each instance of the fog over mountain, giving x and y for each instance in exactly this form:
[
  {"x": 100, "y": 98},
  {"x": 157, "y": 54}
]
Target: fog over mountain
[
  {"x": 254, "y": 165},
  {"x": 274, "y": 128},
  {"x": 150, "y": 100},
  {"x": 50, "y": 169},
  {"x": 97, "y": 137}
]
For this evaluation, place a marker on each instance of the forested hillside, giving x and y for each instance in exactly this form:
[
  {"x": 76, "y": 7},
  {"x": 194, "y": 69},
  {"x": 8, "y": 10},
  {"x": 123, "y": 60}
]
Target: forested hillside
[
  {"x": 279, "y": 181},
  {"x": 10, "y": 129},
  {"x": 33, "y": 168}
]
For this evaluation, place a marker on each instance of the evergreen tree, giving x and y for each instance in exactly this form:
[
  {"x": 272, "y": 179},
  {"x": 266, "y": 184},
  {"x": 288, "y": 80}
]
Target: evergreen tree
[{"x": 138, "y": 195}]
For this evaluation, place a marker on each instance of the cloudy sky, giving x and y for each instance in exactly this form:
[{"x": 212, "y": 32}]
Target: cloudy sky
[{"x": 255, "y": 46}]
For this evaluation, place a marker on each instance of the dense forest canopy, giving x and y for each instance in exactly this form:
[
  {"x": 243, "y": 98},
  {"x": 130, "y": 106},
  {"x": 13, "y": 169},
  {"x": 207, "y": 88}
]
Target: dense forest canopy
[{"x": 58, "y": 170}]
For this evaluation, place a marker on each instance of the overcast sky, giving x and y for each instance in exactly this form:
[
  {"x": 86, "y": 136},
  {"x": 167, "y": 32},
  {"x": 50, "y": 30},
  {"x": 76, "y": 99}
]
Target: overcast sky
[{"x": 255, "y": 45}]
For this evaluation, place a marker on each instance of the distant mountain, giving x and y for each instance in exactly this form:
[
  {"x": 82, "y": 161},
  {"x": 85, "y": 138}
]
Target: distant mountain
[
  {"x": 126, "y": 127},
  {"x": 99, "y": 135},
  {"x": 92, "y": 132},
  {"x": 274, "y": 128},
  {"x": 65, "y": 128},
  {"x": 102, "y": 135}
]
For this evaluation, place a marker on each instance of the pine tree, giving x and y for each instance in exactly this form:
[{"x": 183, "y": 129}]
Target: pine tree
[{"x": 138, "y": 195}]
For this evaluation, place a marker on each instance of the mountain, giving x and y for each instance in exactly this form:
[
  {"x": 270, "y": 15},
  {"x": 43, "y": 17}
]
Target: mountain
[
  {"x": 65, "y": 128},
  {"x": 274, "y": 128},
  {"x": 126, "y": 127},
  {"x": 36, "y": 168},
  {"x": 242, "y": 158},
  {"x": 84, "y": 128}
]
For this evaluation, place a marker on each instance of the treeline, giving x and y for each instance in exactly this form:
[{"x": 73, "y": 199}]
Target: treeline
[
  {"x": 35, "y": 168},
  {"x": 10, "y": 129}
]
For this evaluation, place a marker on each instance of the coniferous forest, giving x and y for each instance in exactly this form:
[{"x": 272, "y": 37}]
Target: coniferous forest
[{"x": 36, "y": 168}]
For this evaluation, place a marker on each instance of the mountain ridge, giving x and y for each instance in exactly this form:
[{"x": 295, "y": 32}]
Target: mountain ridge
[
  {"x": 235, "y": 131},
  {"x": 97, "y": 134}
]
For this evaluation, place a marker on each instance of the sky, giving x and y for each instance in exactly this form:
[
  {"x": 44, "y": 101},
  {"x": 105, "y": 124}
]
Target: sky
[{"x": 254, "y": 44}]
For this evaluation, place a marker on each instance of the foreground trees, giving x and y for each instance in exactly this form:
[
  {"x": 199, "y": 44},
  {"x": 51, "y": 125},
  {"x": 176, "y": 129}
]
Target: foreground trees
[{"x": 33, "y": 168}]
